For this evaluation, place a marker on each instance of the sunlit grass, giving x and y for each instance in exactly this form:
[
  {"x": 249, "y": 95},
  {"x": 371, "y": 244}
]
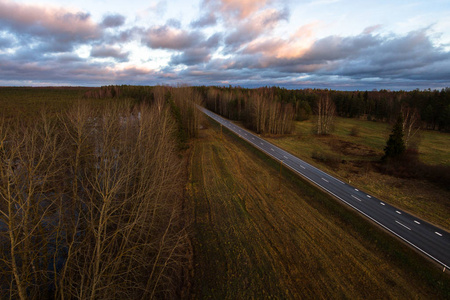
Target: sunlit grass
[{"x": 419, "y": 197}]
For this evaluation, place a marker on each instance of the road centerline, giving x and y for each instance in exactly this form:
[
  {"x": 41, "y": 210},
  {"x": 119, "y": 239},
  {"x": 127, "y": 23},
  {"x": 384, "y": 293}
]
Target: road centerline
[
  {"x": 353, "y": 196},
  {"x": 402, "y": 225}
]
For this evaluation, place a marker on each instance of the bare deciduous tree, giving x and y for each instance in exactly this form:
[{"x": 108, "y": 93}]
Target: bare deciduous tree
[
  {"x": 411, "y": 124},
  {"x": 325, "y": 113},
  {"x": 91, "y": 204}
]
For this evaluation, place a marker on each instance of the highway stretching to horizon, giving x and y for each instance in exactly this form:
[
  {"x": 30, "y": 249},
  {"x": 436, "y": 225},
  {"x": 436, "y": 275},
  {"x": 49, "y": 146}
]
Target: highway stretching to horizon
[{"x": 432, "y": 241}]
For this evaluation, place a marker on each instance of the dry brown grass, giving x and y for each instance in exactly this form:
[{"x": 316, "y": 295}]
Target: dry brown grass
[{"x": 255, "y": 241}]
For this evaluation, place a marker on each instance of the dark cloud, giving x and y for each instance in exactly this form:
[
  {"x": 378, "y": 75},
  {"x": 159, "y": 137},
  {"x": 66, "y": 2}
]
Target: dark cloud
[
  {"x": 105, "y": 51},
  {"x": 199, "y": 53},
  {"x": 243, "y": 34},
  {"x": 68, "y": 58},
  {"x": 124, "y": 36},
  {"x": 192, "y": 56},
  {"x": 208, "y": 19},
  {"x": 72, "y": 72},
  {"x": 362, "y": 61},
  {"x": 6, "y": 42},
  {"x": 111, "y": 21},
  {"x": 412, "y": 56},
  {"x": 334, "y": 48},
  {"x": 193, "y": 46},
  {"x": 174, "y": 23},
  {"x": 213, "y": 41},
  {"x": 52, "y": 45}
]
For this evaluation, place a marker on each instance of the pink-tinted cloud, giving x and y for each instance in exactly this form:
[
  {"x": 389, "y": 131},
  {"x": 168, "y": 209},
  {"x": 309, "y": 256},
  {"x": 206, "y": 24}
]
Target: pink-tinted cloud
[
  {"x": 240, "y": 9},
  {"x": 167, "y": 37},
  {"x": 130, "y": 72},
  {"x": 47, "y": 21},
  {"x": 372, "y": 29},
  {"x": 261, "y": 23},
  {"x": 292, "y": 47}
]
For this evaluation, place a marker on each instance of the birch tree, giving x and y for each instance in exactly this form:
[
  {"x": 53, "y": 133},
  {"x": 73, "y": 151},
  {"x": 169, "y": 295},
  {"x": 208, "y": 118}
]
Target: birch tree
[{"x": 325, "y": 113}]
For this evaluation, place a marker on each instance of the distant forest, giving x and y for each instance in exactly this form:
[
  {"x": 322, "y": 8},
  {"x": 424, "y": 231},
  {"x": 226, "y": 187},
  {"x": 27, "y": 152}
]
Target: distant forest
[
  {"x": 433, "y": 107},
  {"x": 272, "y": 109}
]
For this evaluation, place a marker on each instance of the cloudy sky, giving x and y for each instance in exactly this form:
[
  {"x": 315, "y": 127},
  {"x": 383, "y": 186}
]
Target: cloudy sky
[{"x": 338, "y": 44}]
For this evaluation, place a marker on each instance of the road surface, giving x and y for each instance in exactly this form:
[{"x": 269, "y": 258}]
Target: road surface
[{"x": 430, "y": 240}]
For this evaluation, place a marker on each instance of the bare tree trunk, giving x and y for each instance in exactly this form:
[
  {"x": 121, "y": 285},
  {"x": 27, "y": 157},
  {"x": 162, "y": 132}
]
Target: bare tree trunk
[
  {"x": 90, "y": 204},
  {"x": 325, "y": 111},
  {"x": 411, "y": 124}
]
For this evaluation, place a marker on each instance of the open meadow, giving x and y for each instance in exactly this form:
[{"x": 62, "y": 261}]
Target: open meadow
[{"x": 356, "y": 159}]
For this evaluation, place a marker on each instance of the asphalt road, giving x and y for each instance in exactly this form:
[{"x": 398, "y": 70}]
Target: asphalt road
[{"x": 430, "y": 240}]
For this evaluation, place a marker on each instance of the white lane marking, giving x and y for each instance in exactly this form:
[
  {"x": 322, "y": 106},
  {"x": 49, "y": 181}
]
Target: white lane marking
[
  {"x": 302, "y": 167},
  {"x": 272, "y": 149},
  {"x": 398, "y": 212},
  {"x": 416, "y": 222},
  {"x": 439, "y": 234},
  {"x": 402, "y": 225},
  {"x": 324, "y": 179},
  {"x": 261, "y": 143},
  {"x": 357, "y": 190},
  {"x": 253, "y": 138},
  {"x": 356, "y": 198},
  {"x": 285, "y": 156},
  {"x": 368, "y": 196},
  {"x": 382, "y": 203}
]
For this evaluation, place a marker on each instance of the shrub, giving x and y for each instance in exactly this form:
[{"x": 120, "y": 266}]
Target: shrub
[
  {"x": 330, "y": 159},
  {"x": 354, "y": 131}
]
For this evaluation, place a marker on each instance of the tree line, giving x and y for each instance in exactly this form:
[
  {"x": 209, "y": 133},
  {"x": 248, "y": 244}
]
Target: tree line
[
  {"x": 431, "y": 106},
  {"x": 259, "y": 109},
  {"x": 272, "y": 109}
]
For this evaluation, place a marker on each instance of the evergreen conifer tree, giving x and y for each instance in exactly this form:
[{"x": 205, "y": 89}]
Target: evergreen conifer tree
[{"x": 395, "y": 146}]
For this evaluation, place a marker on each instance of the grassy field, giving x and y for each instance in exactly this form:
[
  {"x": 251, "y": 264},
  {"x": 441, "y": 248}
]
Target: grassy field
[
  {"x": 353, "y": 160},
  {"x": 258, "y": 237},
  {"x": 27, "y": 101},
  {"x": 433, "y": 146}
]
